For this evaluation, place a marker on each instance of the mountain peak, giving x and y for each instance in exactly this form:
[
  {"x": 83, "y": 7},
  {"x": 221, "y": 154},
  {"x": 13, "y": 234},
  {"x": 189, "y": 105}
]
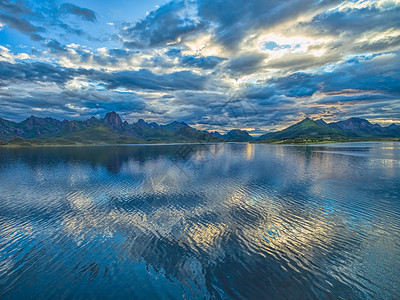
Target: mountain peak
[
  {"x": 320, "y": 121},
  {"x": 112, "y": 114},
  {"x": 306, "y": 120},
  {"x": 358, "y": 126},
  {"x": 175, "y": 125},
  {"x": 113, "y": 120},
  {"x": 144, "y": 123},
  {"x": 32, "y": 118},
  {"x": 357, "y": 120}
]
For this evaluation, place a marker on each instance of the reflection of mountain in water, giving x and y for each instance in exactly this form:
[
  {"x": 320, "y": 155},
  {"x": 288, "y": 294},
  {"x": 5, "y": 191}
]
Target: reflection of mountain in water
[
  {"x": 113, "y": 157},
  {"x": 241, "y": 221}
]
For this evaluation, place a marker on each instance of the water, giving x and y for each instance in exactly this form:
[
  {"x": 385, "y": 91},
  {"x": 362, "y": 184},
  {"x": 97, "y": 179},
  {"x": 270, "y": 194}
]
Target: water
[{"x": 230, "y": 221}]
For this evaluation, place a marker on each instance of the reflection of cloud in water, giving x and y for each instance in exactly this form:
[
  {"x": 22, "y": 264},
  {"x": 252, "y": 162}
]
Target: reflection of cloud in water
[{"x": 264, "y": 211}]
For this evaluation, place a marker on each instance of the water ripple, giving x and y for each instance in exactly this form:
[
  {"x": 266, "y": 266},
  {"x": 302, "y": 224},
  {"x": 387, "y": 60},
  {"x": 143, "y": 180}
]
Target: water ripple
[{"x": 237, "y": 221}]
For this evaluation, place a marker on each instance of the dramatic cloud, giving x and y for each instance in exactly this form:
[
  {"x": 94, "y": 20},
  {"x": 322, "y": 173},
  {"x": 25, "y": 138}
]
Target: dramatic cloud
[
  {"x": 246, "y": 64},
  {"x": 235, "y": 20},
  {"x": 43, "y": 18},
  {"x": 145, "y": 79},
  {"x": 168, "y": 24},
  {"x": 218, "y": 64}
]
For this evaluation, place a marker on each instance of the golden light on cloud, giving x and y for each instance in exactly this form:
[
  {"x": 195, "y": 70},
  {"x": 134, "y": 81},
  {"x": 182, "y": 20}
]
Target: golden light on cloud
[{"x": 203, "y": 45}]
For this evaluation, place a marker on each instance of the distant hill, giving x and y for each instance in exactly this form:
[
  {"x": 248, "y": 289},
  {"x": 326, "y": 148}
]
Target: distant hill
[
  {"x": 362, "y": 127},
  {"x": 319, "y": 130},
  {"x": 108, "y": 130},
  {"x": 235, "y": 135},
  {"x": 304, "y": 129},
  {"x": 112, "y": 130}
]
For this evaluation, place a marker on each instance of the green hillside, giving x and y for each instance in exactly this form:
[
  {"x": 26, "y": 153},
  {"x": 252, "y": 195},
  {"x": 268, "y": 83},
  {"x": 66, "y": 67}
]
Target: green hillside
[
  {"x": 306, "y": 128},
  {"x": 111, "y": 129}
]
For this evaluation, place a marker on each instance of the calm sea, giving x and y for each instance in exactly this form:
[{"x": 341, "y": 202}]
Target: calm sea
[{"x": 225, "y": 221}]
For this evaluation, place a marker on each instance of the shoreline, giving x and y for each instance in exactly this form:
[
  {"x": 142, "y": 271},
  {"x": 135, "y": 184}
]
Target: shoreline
[{"x": 282, "y": 143}]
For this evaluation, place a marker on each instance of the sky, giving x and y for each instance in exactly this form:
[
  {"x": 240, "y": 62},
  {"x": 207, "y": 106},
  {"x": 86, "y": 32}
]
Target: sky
[{"x": 257, "y": 65}]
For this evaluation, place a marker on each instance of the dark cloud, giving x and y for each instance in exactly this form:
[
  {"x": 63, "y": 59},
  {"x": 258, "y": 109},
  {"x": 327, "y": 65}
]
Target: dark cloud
[
  {"x": 379, "y": 73},
  {"x": 203, "y": 62},
  {"x": 15, "y": 8},
  {"x": 196, "y": 61},
  {"x": 14, "y": 14},
  {"x": 35, "y": 72},
  {"x": 56, "y": 47},
  {"x": 68, "y": 104},
  {"x": 210, "y": 108},
  {"x": 236, "y": 19},
  {"x": 259, "y": 92},
  {"x": 388, "y": 43},
  {"x": 266, "y": 96},
  {"x": 246, "y": 64},
  {"x": 296, "y": 85},
  {"x": 142, "y": 79},
  {"x": 230, "y": 21},
  {"x": 167, "y": 24},
  {"x": 371, "y": 80},
  {"x": 354, "y": 21},
  {"x": 301, "y": 82},
  {"x": 145, "y": 79},
  {"x": 21, "y": 25},
  {"x": 364, "y": 98},
  {"x": 35, "y": 19},
  {"x": 381, "y": 110},
  {"x": 265, "y": 105},
  {"x": 86, "y": 14}
]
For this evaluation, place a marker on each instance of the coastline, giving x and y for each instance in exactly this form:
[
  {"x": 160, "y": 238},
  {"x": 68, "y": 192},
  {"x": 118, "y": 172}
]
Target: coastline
[{"x": 26, "y": 144}]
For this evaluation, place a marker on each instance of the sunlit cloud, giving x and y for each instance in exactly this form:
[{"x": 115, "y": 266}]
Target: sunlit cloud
[{"x": 187, "y": 60}]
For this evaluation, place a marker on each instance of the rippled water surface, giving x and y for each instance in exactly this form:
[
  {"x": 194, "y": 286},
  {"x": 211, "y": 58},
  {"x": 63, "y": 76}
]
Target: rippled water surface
[{"x": 230, "y": 221}]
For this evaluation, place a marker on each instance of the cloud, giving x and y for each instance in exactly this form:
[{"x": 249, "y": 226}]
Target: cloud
[
  {"x": 145, "y": 79},
  {"x": 294, "y": 62},
  {"x": 39, "y": 20},
  {"x": 168, "y": 24},
  {"x": 222, "y": 63},
  {"x": 230, "y": 22},
  {"x": 246, "y": 64},
  {"x": 58, "y": 102},
  {"x": 376, "y": 73},
  {"x": 296, "y": 85},
  {"x": 56, "y": 47},
  {"x": 11, "y": 73},
  {"x": 235, "y": 20},
  {"x": 363, "y": 98},
  {"x": 86, "y": 14},
  {"x": 196, "y": 61},
  {"x": 33, "y": 72},
  {"x": 203, "y": 62},
  {"x": 13, "y": 15},
  {"x": 354, "y": 21}
]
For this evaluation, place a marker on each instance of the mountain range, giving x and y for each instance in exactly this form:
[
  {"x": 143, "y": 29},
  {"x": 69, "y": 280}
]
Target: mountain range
[
  {"x": 108, "y": 130},
  {"x": 112, "y": 130},
  {"x": 319, "y": 130}
]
